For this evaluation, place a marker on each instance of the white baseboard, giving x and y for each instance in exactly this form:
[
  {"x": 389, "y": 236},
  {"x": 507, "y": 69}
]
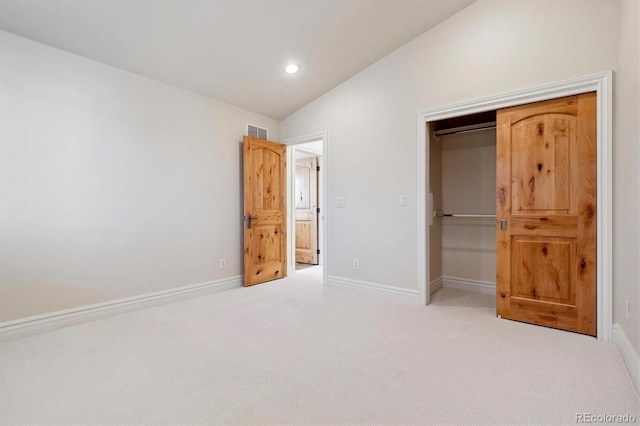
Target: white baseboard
[
  {"x": 23, "y": 327},
  {"x": 628, "y": 354},
  {"x": 485, "y": 287},
  {"x": 364, "y": 285},
  {"x": 435, "y": 285}
]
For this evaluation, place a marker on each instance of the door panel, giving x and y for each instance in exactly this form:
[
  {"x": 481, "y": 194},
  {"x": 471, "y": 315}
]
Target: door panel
[
  {"x": 539, "y": 162},
  {"x": 546, "y": 192},
  {"x": 541, "y": 267},
  {"x": 264, "y": 166},
  {"x": 306, "y": 215}
]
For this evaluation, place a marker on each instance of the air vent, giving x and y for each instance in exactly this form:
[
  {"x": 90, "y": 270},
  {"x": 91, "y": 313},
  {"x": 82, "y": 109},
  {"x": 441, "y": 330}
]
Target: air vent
[{"x": 257, "y": 132}]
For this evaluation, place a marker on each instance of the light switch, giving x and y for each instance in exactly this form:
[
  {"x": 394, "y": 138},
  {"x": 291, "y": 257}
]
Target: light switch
[
  {"x": 403, "y": 199},
  {"x": 340, "y": 202}
]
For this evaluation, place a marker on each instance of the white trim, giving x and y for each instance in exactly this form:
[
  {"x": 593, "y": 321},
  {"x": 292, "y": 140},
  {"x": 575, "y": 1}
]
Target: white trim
[
  {"x": 350, "y": 284},
  {"x": 308, "y": 151},
  {"x": 600, "y": 83},
  {"x": 39, "y": 323},
  {"x": 424, "y": 262},
  {"x": 477, "y": 286},
  {"x": 435, "y": 285},
  {"x": 291, "y": 243},
  {"x": 628, "y": 354}
]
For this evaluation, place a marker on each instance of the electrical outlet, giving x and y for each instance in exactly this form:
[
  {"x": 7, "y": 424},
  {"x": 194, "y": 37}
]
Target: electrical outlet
[
  {"x": 223, "y": 263},
  {"x": 356, "y": 264},
  {"x": 403, "y": 199},
  {"x": 627, "y": 309},
  {"x": 340, "y": 202}
]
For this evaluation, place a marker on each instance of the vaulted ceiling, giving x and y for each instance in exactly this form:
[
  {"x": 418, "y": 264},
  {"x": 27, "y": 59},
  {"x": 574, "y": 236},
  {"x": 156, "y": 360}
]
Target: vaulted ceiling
[{"x": 232, "y": 50}]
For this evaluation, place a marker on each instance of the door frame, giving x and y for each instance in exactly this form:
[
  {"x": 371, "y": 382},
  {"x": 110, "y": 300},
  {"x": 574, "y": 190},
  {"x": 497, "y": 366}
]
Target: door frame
[
  {"x": 602, "y": 84},
  {"x": 324, "y": 213}
]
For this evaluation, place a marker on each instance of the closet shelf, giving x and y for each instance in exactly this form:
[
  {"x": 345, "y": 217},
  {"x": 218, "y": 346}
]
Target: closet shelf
[{"x": 466, "y": 129}]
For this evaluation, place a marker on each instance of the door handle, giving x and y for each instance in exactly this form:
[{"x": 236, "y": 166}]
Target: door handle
[
  {"x": 503, "y": 224},
  {"x": 249, "y": 219}
]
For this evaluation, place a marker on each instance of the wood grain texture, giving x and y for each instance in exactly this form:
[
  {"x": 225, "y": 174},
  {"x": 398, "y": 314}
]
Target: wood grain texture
[
  {"x": 540, "y": 152},
  {"x": 503, "y": 210},
  {"x": 546, "y": 190},
  {"x": 587, "y": 208},
  {"x": 264, "y": 172},
  {"x": 541, "y": 269},
  {"x": 306, "y": 215}
]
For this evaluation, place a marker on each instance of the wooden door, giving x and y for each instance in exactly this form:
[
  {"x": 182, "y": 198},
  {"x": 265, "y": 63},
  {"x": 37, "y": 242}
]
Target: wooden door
[
  {"x": 265, "y": 218},
  {"x": 546, "y": 196},
  {"x": 306, "y": 210}
]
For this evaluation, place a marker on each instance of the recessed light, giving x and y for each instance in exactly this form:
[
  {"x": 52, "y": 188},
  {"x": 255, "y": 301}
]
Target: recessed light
[{"x": 292, "y": 68}]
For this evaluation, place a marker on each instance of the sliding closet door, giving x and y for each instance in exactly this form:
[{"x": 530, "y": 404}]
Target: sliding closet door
[{"x": 546, "y": 213}]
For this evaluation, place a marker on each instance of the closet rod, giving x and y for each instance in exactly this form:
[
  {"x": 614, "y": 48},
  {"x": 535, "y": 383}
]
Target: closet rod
[
  {"x": 440, "y": 214},
  {"x": 466, "y": 129}
]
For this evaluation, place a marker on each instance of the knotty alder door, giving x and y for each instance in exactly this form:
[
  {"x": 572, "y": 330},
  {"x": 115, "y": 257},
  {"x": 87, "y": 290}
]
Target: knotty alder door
[
  {"x": 306, "y": 203},
  {"x": 265, "y": 218},
  {"x": 546, "y": 213}
]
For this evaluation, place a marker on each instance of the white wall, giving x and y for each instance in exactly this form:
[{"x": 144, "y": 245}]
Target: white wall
[
  {"x": 491, "y": 47},
  {"x": 111, "y": 185},
  {"x": 626, "y": 176}
]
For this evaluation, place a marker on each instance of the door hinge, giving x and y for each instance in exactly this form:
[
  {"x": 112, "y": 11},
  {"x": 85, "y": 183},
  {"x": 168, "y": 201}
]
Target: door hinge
[
  {"x": 317, "y": 168},
  {"x": 317, "y": 209},
  {"x": 318, "y": 251}
]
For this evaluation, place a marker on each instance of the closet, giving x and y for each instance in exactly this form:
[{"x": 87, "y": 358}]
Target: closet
[
  {"x": 514, "y": 209},
  {"x": 463, "y": 181}
]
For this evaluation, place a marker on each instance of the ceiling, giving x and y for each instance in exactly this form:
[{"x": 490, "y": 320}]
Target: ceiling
[{"x": 232, "y": 50}]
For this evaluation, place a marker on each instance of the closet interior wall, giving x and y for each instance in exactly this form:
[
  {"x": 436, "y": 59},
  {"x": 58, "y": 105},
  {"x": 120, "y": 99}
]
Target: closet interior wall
[{"x": 462, "y": 179}]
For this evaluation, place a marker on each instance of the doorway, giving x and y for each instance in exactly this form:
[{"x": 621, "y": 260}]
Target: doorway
[
  {"x": 462, "y": 187},
  {"x": 307, "y": 209},
  {"x": 303, "y": 151},
  {"x": 599, "y": 83}
]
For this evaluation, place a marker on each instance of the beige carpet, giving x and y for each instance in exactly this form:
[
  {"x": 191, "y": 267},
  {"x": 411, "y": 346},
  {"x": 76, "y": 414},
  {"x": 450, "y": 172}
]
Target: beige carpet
[{"x": 296, "y": 352}]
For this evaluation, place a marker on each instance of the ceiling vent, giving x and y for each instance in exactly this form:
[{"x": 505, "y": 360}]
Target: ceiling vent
[{"x": 257, "y": 132}]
